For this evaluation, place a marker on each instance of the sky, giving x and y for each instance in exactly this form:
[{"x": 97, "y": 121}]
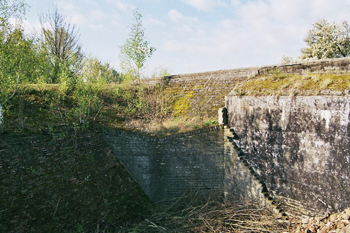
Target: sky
[{"x": 195, "y": 35}]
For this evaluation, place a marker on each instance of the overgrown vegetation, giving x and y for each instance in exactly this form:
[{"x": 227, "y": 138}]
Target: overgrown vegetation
[
  {"x": 58, "y": 92},
  {"x": 42, "y": 107},
  {"x": 280, "y": 83},
  {"x": 47, "y": 80}
]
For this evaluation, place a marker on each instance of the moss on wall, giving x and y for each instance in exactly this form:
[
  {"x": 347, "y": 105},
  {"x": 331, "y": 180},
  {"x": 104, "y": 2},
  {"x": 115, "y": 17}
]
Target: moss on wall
[
  {"x": 285, "y": 84},
  {"x": 202, "y": 94}
]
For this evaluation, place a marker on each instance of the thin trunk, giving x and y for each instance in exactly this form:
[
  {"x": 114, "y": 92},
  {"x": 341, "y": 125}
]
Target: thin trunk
[{"x": 1, "y": 120}]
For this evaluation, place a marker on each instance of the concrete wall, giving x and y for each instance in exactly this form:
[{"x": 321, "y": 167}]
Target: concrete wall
[
  {"x": 203, "y": 162},
  {"x": 241, "y": 182},
  {"x": 298, "y": 145}
]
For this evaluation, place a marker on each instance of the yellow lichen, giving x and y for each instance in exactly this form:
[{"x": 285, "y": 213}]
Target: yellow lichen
[{"x": 182, "y": 105}]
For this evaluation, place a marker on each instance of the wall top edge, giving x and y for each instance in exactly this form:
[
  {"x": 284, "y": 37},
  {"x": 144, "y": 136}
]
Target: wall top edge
[
  {"x": 108, "y": 131},
  {"x": 298, "y": 66}
]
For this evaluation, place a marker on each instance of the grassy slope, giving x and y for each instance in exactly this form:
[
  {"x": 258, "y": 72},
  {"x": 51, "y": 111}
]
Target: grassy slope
[{"x": 64, "y": 182}]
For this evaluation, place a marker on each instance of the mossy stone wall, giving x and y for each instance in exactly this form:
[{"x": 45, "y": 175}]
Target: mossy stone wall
[{"x": 202, "y": 94}]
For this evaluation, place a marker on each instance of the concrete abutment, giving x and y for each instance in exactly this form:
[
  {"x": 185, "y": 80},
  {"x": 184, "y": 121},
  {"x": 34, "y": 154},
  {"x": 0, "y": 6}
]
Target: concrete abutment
[{"x": 295, "y": 147}]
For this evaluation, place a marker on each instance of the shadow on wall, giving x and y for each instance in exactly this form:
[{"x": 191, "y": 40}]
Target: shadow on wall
[
  {"x": 203, "y": 163},
  {"x": 167, "y": 167}
]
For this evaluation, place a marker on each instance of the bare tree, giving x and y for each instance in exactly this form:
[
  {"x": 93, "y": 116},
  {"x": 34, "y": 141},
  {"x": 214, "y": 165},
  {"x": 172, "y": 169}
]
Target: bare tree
[{"x": 61, "y": 40}]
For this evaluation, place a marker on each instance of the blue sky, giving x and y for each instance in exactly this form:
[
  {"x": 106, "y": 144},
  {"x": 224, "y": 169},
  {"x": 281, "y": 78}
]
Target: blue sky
[{"x": 196, "y": 35}]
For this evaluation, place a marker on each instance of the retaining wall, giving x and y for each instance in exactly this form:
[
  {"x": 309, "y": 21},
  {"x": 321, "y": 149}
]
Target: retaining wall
[{"x": 298, "y": 145}]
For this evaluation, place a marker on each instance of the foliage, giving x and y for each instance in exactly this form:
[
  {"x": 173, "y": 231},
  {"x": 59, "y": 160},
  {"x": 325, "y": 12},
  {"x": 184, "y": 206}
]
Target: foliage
[
  {"x": 136, "y": 49},
  {"x": 8, "y": 9},
  {"x": 61, "y": 42},
  {"x": 327, "y": 40},
  {"x": 14, "y": 51},
  {"x": 95, "y": 71},
  {"x": 87, "y": 99},
  {"x": 160, "y": 72}
]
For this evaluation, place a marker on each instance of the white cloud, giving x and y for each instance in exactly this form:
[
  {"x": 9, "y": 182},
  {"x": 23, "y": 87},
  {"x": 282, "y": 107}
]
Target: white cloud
[
  {"x": 97, "y": 14},
  {"x": 90, "y": 16},
  {"x": 122, "y": 4},
  {"x": 72, "y": 13},
  {"x": 96, "y": 27},
  {"x": 204, "y": 5},
  {"x": 152, "y": 21},
  {"x": 177, "y": 17},
  {"x": 172, "y": 46},
  {"x": 235, "y": 3}
]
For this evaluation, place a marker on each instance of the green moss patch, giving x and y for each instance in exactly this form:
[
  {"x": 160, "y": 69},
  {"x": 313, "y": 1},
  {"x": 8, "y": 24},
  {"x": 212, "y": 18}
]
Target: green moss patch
[{"x": 282, "y": 84}]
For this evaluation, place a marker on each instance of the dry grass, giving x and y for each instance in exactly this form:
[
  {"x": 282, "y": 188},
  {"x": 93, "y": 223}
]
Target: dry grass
[
  {"x": 169, "y": 125},
  {"x": 213, "y": 216}
]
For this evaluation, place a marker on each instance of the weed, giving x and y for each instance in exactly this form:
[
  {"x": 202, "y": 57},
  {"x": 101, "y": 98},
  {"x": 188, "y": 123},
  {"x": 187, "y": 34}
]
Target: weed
[{"x": 210, "y": 122}]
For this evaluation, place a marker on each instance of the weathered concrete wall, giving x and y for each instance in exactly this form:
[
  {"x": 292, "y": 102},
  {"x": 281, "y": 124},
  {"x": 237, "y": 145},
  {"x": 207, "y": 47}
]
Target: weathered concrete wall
[
  {"x": 202, "y": 162},
  {"x": 298, "y": 145},
  {"x": 193, "y": 162},
  {"x": 167, "y": 167},
  {"x": 240, "y": 183}
]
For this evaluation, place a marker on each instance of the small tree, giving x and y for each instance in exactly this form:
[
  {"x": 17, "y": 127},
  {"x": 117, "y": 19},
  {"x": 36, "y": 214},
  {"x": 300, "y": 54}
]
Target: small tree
[
  {"x": 136, "y": 49},
  {"x": 61, "y": 41},
  {"x": 327, "y": 40},
  {"x": 287, "y": 60}
]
